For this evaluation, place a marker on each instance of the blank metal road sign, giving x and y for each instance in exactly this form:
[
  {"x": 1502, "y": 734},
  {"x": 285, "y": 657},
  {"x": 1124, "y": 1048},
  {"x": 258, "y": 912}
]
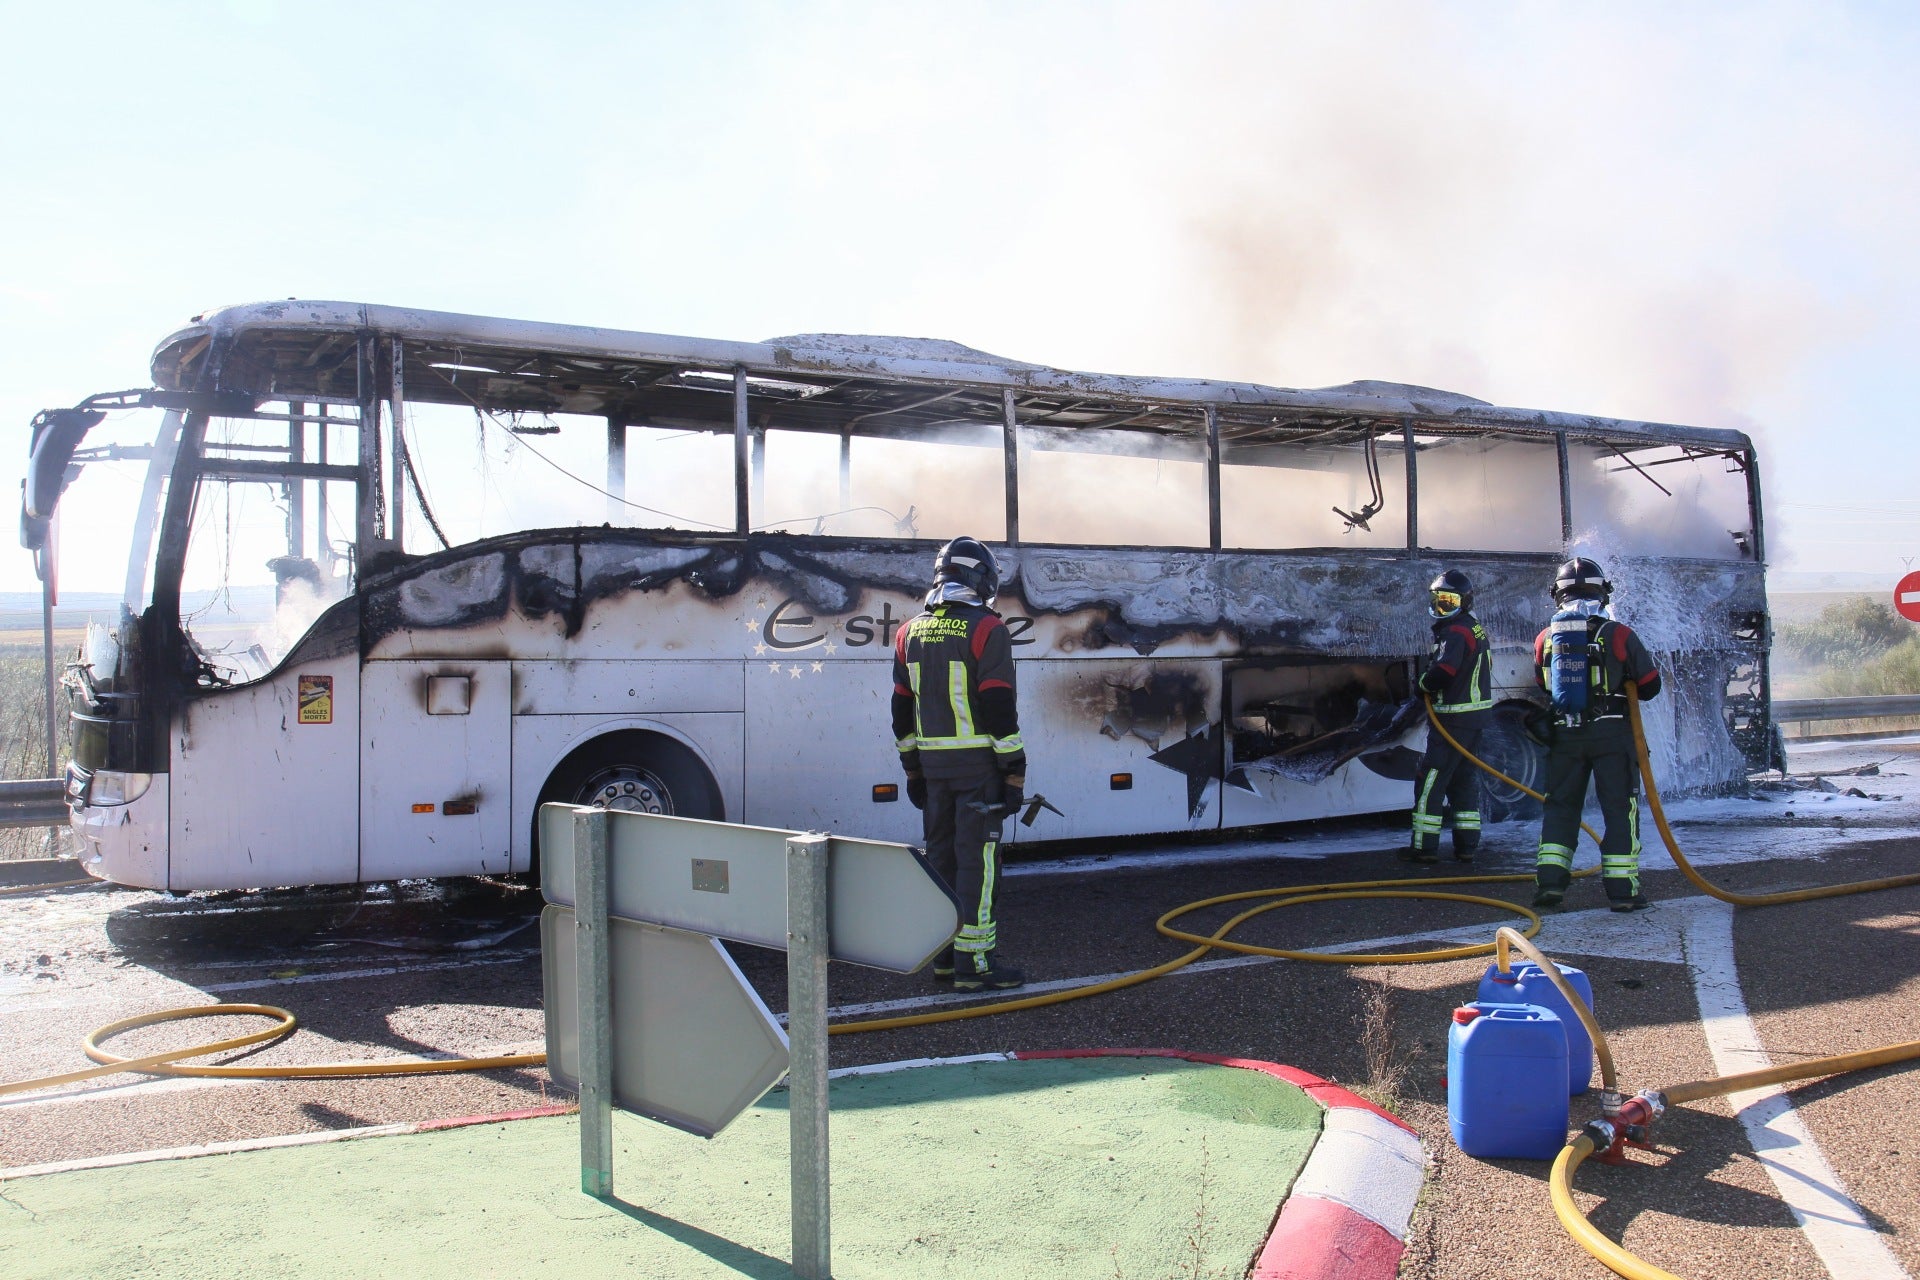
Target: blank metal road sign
[
  {"x": 693, "y": 1046},
  {"x": 886, "y": 908}
]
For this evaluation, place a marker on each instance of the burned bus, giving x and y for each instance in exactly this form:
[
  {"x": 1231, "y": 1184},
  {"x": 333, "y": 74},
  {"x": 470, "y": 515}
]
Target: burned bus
[{"x": 397, "y": 577}]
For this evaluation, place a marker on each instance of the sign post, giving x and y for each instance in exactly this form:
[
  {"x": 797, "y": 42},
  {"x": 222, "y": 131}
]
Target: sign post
[
  {"x": 807, "y": 1049},
  {"x": 645, "y": 1011},
  {"x": 593, "y": 954},
  {"x": 1906, "y": 597}
]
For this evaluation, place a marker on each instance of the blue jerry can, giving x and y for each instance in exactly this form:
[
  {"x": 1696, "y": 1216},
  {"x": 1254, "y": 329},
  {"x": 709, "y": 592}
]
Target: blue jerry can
[
  {"x": 1506, "y": 1081},
  {"x": 1529, "y": 984}
]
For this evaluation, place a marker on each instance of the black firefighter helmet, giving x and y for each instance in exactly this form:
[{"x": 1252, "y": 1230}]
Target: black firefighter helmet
[
  {"x": 1449, "y": 594},
  {"x": 968, "y": 562},
  {"x": 1581, "y": 579}
]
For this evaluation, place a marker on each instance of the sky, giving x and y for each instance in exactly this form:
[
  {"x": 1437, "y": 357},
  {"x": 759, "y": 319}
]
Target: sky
[{"x": 1699, "y": 214}]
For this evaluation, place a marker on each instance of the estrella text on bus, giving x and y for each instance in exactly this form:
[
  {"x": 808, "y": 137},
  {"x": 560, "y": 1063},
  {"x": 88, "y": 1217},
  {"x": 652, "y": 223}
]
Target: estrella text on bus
[{"x": 791, "y": 626}]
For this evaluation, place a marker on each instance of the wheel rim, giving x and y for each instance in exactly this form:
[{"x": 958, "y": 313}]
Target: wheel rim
[
  {"x": 1512, "y": 757},
  {"x": 627, "y": 788}
]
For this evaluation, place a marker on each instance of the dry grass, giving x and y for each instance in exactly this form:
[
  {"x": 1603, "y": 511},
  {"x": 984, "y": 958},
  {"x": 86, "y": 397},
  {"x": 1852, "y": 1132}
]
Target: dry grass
[
  {"x": 1386, "y": 1060},
  {"x": 23, "y": 741}
]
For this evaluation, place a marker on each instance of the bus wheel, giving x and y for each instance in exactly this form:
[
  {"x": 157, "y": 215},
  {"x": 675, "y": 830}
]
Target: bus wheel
[
  {"x": 1507, "y": 746},
  {"x": 634, "y": 772}
]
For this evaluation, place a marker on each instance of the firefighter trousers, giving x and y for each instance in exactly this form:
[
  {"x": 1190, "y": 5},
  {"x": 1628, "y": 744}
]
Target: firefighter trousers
[
  {"x": 963, "y": 845},
  {"x": 1446, "y": 780},
  {"x": 1603, "y": 751}
]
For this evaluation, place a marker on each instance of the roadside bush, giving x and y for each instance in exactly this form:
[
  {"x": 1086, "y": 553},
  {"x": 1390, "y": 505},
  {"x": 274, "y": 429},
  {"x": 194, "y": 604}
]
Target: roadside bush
[
  {"x": 23, "y": 741},
  {"x": 1846, "y": 634},
  {"x": 23, "y": 713},
  {"x": 1897, "y": 670}
]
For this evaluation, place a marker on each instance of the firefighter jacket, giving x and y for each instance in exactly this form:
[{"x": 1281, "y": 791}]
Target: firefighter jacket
[
  {"x": 954, "y": 714},
  {"x": 1618, "y": 655},
  {"x": 1459, "y": 676}
]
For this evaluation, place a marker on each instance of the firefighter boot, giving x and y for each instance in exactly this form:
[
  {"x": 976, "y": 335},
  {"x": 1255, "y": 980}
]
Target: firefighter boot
[
  {"x": 1422, "y": 848},
  {"x": 1465, "y": 844},
  {"x": 1550, "y": 885},
  {"x": 943, "y": 965},
  {"x": 1623, "y": 896},
  {"x": 979, "y": 972}
]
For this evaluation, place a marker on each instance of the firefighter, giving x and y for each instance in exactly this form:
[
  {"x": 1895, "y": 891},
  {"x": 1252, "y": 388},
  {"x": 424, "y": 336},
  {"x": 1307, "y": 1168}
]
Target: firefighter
[
  {"x": 1584, "y": 660},
  {"x": 1460, "y": 686},
  {"x": 957, "y": 729}
]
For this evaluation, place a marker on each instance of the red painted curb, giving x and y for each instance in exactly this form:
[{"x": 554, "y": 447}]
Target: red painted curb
[
  {"x": 1312, "y": 1238},
  {"x": 1319, "y": 1240},
  {"x": 1325, "y": 1092},
  {"x": 461, "y": 1122}
]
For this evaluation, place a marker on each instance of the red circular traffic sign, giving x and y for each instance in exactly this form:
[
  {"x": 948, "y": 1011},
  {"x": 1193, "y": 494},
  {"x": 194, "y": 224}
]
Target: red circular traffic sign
[{"x": 1906, "y": 597}]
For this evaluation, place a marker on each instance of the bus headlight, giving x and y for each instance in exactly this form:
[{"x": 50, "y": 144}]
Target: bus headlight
[{"x": 108, "y": 787}]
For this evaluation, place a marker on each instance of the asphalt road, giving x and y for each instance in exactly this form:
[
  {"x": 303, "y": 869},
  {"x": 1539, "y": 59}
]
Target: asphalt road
[{"x": 453, "y": 968}]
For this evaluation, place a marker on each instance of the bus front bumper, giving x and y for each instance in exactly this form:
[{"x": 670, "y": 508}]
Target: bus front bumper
[{"x": 123, "y": 843}]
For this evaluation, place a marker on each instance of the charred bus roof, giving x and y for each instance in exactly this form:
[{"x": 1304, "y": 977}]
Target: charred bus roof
[{"x": 295, "y": 350}]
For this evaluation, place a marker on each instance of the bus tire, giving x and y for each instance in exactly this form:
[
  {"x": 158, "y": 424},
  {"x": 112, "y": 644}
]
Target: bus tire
[
  {"x": 634, "y": 771},
  {"x": 1507, "y": 746}
]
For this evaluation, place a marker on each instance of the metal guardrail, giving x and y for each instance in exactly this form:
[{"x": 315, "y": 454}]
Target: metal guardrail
[
  {"x": 33, "y": 802},
  {"x": 1804, "y": 710}
]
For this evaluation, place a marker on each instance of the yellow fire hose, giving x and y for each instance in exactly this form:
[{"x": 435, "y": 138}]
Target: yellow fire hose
[
  {"x": 1345, "y": 890},
  {"x": 160, "y": 1064},
  {"x": 1646, "y": 1106},
  {"x": 166, "y": 1064},
  {"x": 1579, "y": 1149}
]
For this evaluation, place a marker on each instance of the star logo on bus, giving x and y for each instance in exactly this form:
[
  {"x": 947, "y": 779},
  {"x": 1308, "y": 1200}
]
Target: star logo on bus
[
  {"x": 753, "y": 624},
  {"x": 759, "y": 651},
  {"x": 819, "y": 666},
  {"x": 774, "y": 668},
  {"x": 795, "y": 671},
  {"x": 1198, "y": 757}
]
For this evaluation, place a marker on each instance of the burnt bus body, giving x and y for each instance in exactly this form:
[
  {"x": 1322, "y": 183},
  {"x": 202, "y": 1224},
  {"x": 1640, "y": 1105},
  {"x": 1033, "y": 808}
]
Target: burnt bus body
[{"x": 742, "y": 673}]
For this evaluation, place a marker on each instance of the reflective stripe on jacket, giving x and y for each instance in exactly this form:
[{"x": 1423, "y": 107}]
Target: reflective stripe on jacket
[
  {"x": 1462, "y": 653},
  {"x": 953, "y": 691}
]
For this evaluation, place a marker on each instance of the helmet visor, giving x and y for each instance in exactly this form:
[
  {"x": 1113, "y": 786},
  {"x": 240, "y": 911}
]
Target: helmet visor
[{"x": 1445, "y": 602}]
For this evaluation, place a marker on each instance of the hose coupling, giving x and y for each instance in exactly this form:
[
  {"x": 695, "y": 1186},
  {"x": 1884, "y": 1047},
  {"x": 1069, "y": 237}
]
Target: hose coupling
[{"x": 1628, "y": 1124}]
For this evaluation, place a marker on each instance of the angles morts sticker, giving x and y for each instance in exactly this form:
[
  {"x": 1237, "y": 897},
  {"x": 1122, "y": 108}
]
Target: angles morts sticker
[{"x": 316, "y": 699}]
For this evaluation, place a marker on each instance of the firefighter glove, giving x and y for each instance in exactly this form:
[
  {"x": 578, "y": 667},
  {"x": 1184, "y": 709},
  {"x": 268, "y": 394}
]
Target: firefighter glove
[
  {"x": 1433, "y": 680},
  {"x": 917, "y": 790},
  {"x": 1013, "y": 793}
]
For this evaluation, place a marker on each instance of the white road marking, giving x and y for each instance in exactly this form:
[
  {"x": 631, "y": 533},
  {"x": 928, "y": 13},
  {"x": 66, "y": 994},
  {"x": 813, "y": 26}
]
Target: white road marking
[
  {"x": 1833, "y": 1224},
  {"x": 1718, "y": 832},
  {"x": 209, "y": 1149},
  {"x": 195, "y": 908},
  {"x": 1586, "y": 933},
  {"x": 345, "y": 975}
]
